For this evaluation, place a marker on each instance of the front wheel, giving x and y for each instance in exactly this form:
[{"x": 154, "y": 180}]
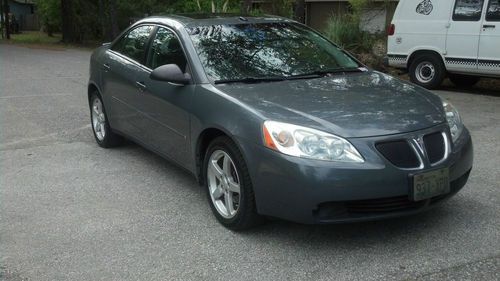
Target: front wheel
[
  {"x": 229, "y": 187},
  {"x": 427, "y": 70}
]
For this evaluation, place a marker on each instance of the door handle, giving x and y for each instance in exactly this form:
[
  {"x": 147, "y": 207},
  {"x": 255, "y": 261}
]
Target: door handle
[
  {"x": 488, "y": 26},
  {"x": 106, "y": 66},
  {"x": 142, "y": 87}
]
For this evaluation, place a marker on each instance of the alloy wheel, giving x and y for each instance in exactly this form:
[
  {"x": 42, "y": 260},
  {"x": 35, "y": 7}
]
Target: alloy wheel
[
  {"x": 98, "y": 119},
  {"x": 223, "y": 184}
]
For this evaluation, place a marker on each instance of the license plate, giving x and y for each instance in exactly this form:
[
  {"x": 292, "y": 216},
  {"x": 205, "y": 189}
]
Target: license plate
[{"x": 430, "y": 184}]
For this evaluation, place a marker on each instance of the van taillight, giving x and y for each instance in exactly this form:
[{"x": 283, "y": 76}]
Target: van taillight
[{"x": 391, "y": 29}]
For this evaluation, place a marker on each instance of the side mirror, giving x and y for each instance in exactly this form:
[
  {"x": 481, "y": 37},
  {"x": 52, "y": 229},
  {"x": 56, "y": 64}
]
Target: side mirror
[{"x": 170, "y": 73}]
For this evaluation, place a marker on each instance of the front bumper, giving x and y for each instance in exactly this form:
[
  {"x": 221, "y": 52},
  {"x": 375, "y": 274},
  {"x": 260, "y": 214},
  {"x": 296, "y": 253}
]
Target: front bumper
[{"x": 312, "y": 191}]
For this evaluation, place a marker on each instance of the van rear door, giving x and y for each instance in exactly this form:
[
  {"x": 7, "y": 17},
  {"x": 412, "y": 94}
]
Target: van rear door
[
  {"x": 489, "y": 42},
  {"x": 462, "y": 40}
]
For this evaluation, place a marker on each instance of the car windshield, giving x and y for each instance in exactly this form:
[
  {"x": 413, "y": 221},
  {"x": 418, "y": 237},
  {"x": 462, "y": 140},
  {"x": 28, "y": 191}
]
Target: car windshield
[{"x": 265, "y": 50}]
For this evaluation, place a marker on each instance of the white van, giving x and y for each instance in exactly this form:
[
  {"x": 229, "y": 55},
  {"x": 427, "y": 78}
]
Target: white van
[{"x": 433, "y": 39}]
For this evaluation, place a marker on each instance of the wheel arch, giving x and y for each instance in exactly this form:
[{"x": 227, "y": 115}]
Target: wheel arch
[
  {"x": 419, "y": 52},
  {"x": 91, "y": 88},
  {"x": 203, "y": 141}
]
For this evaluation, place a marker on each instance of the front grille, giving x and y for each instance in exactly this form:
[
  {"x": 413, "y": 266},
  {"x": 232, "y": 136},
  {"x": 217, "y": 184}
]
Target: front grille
[
  {"x": 399, "y": 153},
  {"x": 435, "y": 147}
]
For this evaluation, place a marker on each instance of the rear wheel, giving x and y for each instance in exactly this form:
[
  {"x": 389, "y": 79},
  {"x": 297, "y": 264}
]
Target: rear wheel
[
  {"x": 103, "y": 134},
  {"x": 465, "y": 81},
  {"x": 229, "y": 188},
  {"x": 427, "y": 70}
]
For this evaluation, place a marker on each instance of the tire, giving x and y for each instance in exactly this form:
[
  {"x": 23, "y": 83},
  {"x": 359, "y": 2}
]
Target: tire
[
  {"x": 103, "y": 134},
  {"x": 427, "y": 70},
  {"x": 464, "y": 81},
  {"x": 220, "y": 189}
]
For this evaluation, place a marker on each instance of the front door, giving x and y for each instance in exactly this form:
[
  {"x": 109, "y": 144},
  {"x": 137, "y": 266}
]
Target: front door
[
  {"x": 462, "y": 39},
  {"x": 164, "y": 106},
  {"x": 489, "y": 42},
  {"x": 123, "y": 62}
]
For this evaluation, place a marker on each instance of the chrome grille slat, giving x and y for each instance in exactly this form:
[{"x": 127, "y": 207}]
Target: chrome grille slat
[{"x": 433, "y": 148}]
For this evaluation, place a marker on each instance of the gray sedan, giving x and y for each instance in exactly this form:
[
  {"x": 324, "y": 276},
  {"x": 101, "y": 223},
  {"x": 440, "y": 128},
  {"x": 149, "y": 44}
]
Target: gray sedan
[{"x": 274, "y": 120}]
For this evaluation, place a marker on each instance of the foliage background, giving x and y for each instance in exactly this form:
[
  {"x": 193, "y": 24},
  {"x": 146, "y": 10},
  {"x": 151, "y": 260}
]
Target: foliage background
[{"x": 82, "y": 21}]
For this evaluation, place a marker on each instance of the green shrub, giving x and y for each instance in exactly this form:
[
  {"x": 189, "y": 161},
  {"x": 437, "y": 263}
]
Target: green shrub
[{"x": 344, "y": 30}]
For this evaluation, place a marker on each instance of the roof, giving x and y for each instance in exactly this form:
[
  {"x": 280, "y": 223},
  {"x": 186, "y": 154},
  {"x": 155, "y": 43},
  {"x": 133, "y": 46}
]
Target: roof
[
  {"x": 310, "y": 1},
  {"x": 28, "y": 2},
  {"x": 190, "y": 20}
]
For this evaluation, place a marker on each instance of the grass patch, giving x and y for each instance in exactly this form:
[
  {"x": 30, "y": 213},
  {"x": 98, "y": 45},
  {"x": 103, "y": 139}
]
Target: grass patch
[
  {"x": 40, "y": 40},
  {"x": 34, "y": 37}
]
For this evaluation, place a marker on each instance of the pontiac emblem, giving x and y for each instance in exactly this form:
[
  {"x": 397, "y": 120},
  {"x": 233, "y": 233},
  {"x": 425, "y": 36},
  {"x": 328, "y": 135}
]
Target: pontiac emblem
[{"x": 421, "y": 145}]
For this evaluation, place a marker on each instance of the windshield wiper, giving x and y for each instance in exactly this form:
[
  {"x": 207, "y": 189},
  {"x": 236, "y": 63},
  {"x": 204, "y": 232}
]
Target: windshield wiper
[
  {"x": 250, "y": 80},
  {"x": 324, "y": 72},
  {"x": 314, "y": 74}
]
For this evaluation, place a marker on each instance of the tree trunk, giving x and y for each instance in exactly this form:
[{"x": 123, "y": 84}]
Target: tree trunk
[
  {"x": 246, "y": 6},
  {"x": 67, "y": 24},
  {"x": 300, "y": 11},
  {"x": 6, "y": 18},
  {"x": 2, "y": 23},
  {"x": 102, "y": 19},
  {"x": 114, "y": 23},
  {"x": 50, "y": 33}
]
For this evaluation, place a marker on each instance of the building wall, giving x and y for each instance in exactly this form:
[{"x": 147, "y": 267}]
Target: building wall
[
  {"x": 24, "y": 14},
  {"x": 375, "y": 19},
  {"x": 318, "y": 13}
]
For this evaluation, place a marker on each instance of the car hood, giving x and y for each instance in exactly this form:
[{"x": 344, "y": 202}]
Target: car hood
[{"x": 351, "y": 105}]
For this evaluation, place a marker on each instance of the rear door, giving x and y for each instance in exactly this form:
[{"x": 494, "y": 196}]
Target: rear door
[
  {"x": 124, "y": 60},
  {"x": 489, "y": 43},
  {"x": 462, "y": 40}
]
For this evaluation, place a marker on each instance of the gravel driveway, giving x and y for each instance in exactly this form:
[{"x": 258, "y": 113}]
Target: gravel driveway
[{"x": 70, "y": 210}]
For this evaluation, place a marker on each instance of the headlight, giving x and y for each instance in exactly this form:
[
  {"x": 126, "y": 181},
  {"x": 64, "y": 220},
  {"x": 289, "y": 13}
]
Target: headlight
[
  {"x": 454, "y": 120},
  {"x": 308, "y": 143}
]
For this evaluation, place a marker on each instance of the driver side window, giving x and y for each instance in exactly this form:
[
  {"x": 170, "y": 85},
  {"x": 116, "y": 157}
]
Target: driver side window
[{"x": 166, "y": 49}]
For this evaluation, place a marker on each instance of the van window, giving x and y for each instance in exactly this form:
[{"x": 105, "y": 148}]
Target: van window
[
  {"x": 468, "y": 10},
  {"x": 493, "y": 13}
]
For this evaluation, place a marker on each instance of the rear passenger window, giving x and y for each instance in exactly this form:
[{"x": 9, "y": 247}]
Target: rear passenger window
[
  {"x": 493, "y": 12},
  {"x": 468, "y": 10},
  {"x": 133, "y": 44}
]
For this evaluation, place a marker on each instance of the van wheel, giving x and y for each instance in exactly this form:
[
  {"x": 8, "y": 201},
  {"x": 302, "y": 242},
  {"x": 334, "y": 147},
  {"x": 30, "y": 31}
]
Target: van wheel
[
  {"x": 464, "y": 80},
  {"x": 427, "y": 70}
]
